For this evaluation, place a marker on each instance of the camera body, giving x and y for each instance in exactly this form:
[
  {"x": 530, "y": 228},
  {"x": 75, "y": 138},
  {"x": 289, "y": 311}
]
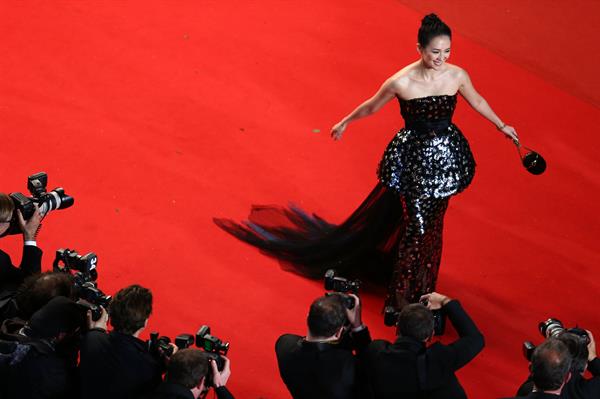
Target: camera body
[
  {"x": 67, "y": 260},
  {"x": 552, "y": 328},
  {"x": 342, "y": 286},
  {"x": 213, "y": 346},
  {"x": 46, "y": 201},
  {"x": 84, "y": 272},
  {"x": 391, "y": 315}
]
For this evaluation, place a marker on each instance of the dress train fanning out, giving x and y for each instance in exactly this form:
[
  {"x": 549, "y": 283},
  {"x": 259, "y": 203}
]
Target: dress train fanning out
[{"x": 396, "y": 233}]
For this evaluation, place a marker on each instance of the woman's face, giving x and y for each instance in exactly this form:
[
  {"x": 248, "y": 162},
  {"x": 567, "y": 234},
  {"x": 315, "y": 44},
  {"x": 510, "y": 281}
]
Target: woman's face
[{"x": 436, "y": 53}]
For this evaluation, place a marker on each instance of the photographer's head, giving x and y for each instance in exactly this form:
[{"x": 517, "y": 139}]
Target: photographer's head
[
  {"x": 7, "y": 207},
  {"x": 130, "y": 309},
  {"x": 578, "y": 349},
  {"x": 189, "y": 368},
  {"x": 416, "y": 321},
  {"x": 59, "y": 319},
  {"x": 326, "y": 318},
  {"x": 550, "y": 366},
  {"x": 39, "y": 289}
]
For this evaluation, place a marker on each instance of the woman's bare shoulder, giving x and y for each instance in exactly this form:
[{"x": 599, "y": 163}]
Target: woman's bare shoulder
[
  {"x": 456, "y": 71},
  {"x": 401, "y": 79}
]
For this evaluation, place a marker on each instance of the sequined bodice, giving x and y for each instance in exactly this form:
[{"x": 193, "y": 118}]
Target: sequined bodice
[
  {"x": 428, "y": 109},
  {"x": 429, "y": 157}
]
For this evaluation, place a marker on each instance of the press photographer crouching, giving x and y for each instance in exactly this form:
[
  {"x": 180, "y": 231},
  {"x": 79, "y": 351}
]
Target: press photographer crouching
[
  {"x": 190, "y": 375},
  {"x": 550, "y": 369},
  {"x": 11, "y": 276},
  {"x": 582, "y": 350},
  {"x": 322, "y": 364},
  {"x": 36, "y": 291},
  {"x": 37, "y": 358},
  {"x": 20, "y": 214},
  {"x": 409, "y": 368},
  {"x": 118, "y": 364}
]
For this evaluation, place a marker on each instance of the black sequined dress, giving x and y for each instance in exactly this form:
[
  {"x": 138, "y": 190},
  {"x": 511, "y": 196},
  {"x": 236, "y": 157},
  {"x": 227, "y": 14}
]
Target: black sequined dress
[{"x": 397, "y": 231}]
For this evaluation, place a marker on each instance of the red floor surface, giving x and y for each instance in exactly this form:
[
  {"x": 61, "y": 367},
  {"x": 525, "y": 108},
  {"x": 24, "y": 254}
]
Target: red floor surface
[{"x": 158, "y": 116}]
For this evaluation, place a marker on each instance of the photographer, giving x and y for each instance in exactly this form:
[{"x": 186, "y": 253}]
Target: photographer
[
  {"x": 38, "y": 365},
  {"x": 190, "y": 374},
  {"x": 322, "y": 364},
  {"x": 408, "y": 368},
  {"x": 583, "y": 358},
  {"x": 118, "y": 364},
  {"x": 11, "y": 276},
  {"x": 550, "y": 369},
  {"x": 36, "y": 291}
]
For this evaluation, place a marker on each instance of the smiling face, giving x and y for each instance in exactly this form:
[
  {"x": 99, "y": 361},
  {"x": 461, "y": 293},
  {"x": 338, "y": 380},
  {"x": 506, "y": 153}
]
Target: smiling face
[{"x": 437, "y": 51}]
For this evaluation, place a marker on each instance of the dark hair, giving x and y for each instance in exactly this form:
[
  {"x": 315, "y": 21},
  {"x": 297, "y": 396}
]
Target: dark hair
[
  {"x": 326, "y": 316},
  {"x": 7, "y": 207},
  {"x": 416, "y": 321},
  {"x": 39, "y": 289},
  {"x": 130, "y": 308},
  {"x": 550, "y": 364},
  {"x": 187, "y": 367},
  {"x": 432, "y": 26},
  {"x": 577, "y": 349}
]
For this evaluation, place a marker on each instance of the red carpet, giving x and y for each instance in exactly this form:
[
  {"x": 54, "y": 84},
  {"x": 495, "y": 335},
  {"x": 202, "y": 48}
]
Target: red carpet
[{"x": 158, "y": 116}]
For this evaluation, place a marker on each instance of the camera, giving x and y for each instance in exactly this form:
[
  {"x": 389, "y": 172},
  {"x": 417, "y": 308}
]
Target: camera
[
  {"x": 341, "y": 286},
  {"x": 46, "y": 201},
  {"x": 391, "y": 315},
  {"x": 552, "y": 328},
  {"x": 84, "y": 272},
  {"x": 213, "y": 346},
  {"x": 67, "y": 260}
]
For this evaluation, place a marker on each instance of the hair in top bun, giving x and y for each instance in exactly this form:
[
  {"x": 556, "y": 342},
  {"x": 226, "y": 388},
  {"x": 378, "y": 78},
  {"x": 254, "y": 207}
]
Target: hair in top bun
[{"x": 432, "y": 26}]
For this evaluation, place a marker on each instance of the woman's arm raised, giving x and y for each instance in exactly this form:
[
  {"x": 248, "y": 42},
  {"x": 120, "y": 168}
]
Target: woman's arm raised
[
  {"x": 479, "y": 104},
  {"x": 384, "y": 95}
]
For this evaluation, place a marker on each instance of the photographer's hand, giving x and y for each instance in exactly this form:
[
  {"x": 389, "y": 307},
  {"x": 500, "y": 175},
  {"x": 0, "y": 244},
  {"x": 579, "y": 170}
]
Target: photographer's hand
[
  {"x": 220, "y": 377},
  {"x": 354, "y": 314},
  {"x": 30, "y": 227},
  {"x": 591, "y": 347},
  {"x": 101, "y": 323},
  {"x": 434, "y": 300}
]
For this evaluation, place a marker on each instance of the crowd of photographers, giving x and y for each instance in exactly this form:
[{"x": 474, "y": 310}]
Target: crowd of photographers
[{"x": 55, "y": 341}]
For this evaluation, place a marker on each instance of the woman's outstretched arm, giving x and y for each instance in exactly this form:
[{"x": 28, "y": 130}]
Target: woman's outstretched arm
[
  {"x": 384, "y": 94},
  {"x": 479, "y": 104}
]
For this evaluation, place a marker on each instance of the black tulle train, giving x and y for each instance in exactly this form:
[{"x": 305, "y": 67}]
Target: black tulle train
[{"x": 307, "y": 244}]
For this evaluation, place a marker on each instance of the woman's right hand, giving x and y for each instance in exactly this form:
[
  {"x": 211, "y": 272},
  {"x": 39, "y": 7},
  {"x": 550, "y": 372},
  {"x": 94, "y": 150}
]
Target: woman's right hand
[{"x": 338, "y": 129}]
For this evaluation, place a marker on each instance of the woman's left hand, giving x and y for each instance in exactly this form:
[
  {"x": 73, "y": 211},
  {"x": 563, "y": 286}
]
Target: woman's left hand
[{"x": 510, "y": 133}]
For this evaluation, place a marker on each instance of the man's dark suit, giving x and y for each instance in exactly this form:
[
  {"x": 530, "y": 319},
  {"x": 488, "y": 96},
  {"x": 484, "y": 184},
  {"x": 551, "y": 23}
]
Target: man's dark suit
[
  {"x": 167, "y": 390},
  {"x": 321, "y": 370},
  {"x": 392, "y": 367},
  {"x": 31, "y": 263},
  {"x": 116, "y": 366},
  {"x": 11, "y": 277},
  {"x": 537, "y": 395},
  {"x": 578, "y": 387}
]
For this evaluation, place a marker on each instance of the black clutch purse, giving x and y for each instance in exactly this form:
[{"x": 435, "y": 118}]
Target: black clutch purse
[{"x": 533, "y": 162}]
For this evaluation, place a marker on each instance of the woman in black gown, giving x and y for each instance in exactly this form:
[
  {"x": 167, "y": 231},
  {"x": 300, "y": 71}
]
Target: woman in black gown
[{"x": 397, "y": 230}]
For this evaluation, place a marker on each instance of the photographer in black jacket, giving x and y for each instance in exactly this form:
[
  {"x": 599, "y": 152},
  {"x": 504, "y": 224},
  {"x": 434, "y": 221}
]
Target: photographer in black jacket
[
  {"x": 583, "y": 358},
  {"x": 11, "y": 276},
  {"x": 550, "y": 369},
  {"x": 322, "y": 364},
  {"x": 117, "y": 364},
  {"x": 39, "y": 367},
  {"x": 188, "y": 377},
  {"x": 36, "y": 291},
  {"x": 408, "y": 368}
]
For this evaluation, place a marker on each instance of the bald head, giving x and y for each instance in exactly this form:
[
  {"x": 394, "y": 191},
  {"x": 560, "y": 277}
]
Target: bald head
[{"x": 550, "y": 365}]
